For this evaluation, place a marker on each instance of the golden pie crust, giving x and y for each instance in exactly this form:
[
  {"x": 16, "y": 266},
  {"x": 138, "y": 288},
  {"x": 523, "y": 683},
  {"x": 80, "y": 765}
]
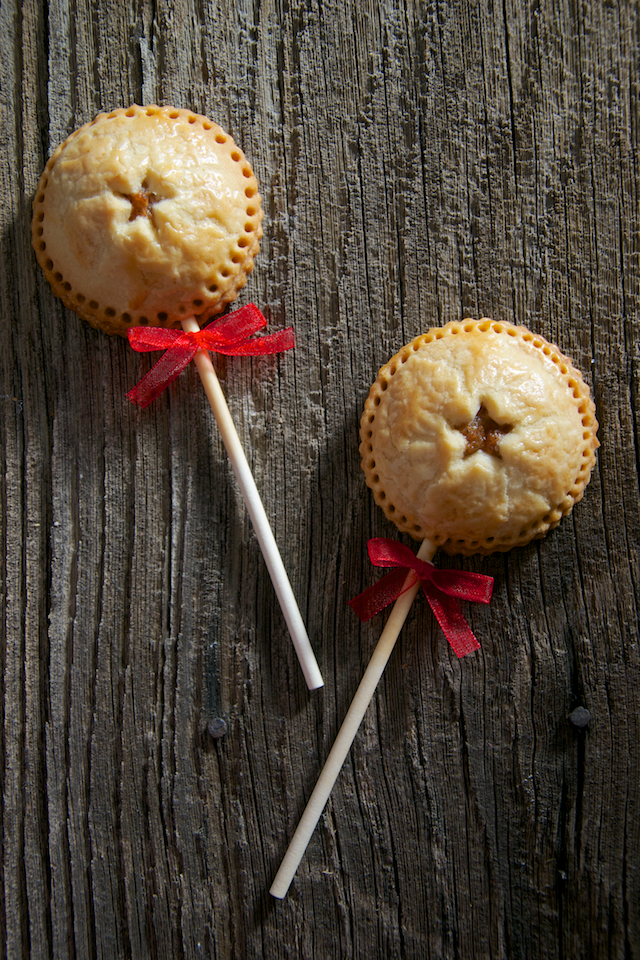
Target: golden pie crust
[
  {"x": 147, "y": 215},
  {"x": 478, "y": 435}
]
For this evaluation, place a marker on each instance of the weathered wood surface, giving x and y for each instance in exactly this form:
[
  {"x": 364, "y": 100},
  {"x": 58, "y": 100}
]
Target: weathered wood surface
[{"x": 418, "y": 162}]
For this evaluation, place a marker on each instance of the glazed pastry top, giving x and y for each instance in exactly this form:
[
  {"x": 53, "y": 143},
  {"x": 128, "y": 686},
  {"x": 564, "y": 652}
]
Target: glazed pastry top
[
  {"x": 148, "y": 213},
  {"x": 480, "y": 436}
]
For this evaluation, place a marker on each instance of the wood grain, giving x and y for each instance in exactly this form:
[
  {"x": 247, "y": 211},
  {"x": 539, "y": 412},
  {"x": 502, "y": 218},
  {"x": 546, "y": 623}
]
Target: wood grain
[{"x": 419, "y": 162}]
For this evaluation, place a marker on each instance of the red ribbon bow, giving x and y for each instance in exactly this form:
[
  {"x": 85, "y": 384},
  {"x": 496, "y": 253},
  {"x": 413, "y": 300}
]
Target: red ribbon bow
[
  {"x": 228, "y": 335},
  {"x": 441, "y": 587}
]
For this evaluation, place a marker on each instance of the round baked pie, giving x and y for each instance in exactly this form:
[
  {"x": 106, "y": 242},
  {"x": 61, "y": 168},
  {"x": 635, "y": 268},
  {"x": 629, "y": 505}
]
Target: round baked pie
[
  {"x": 147, "y": 215},
  {"x": 479, "y": 436}
]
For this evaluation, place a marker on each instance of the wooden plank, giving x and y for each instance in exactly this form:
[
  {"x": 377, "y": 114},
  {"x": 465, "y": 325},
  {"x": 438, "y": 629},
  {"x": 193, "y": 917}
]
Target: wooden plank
[{"x": 418, "y": 162}]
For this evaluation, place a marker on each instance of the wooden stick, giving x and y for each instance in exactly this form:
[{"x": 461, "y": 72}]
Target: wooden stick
[
  {"x": 347, "y": 732},
  {"x": 256, "y": 511}
]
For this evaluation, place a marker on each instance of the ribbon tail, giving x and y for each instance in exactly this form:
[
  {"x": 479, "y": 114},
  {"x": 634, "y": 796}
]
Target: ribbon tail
[
  {"x": 453, "y": 624},
  {"x": 162, "y": 373},
  {"x": 381, "y": 594}
]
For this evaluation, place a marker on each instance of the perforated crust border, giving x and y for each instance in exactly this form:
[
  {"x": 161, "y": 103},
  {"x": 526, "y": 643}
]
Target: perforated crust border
[
  {"x": 541, "y": 526},
  {"x": 226, "y": 279}
]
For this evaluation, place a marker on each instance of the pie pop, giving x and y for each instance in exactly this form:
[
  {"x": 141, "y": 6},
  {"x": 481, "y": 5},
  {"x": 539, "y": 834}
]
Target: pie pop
[
  {"x": 145, "y": 221},
  {"x": 476, "y": 437}
]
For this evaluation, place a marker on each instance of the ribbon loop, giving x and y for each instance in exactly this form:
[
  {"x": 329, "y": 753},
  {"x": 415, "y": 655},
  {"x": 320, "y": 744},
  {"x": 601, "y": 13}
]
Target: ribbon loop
[
  {"x": 228, "y": 335},
  {"x": 441, "y": 588}
]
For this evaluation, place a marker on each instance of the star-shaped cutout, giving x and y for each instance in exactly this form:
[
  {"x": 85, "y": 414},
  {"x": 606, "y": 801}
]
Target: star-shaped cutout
[
  {"x": 141, "y": 203},
  {"x": 483, "y": 433}
]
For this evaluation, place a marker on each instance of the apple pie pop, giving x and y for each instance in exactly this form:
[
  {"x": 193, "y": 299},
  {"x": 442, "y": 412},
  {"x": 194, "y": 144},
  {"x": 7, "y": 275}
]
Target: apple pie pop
[
  {"x": 148, "y": 220},
  {"x": 476, "y": 437}
]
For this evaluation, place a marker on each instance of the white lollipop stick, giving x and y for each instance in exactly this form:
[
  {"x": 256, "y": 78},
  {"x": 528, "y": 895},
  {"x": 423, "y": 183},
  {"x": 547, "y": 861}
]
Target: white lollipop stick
[
  {"x": 347, "y": 732},
  {"x": 256, "y": 511}
]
